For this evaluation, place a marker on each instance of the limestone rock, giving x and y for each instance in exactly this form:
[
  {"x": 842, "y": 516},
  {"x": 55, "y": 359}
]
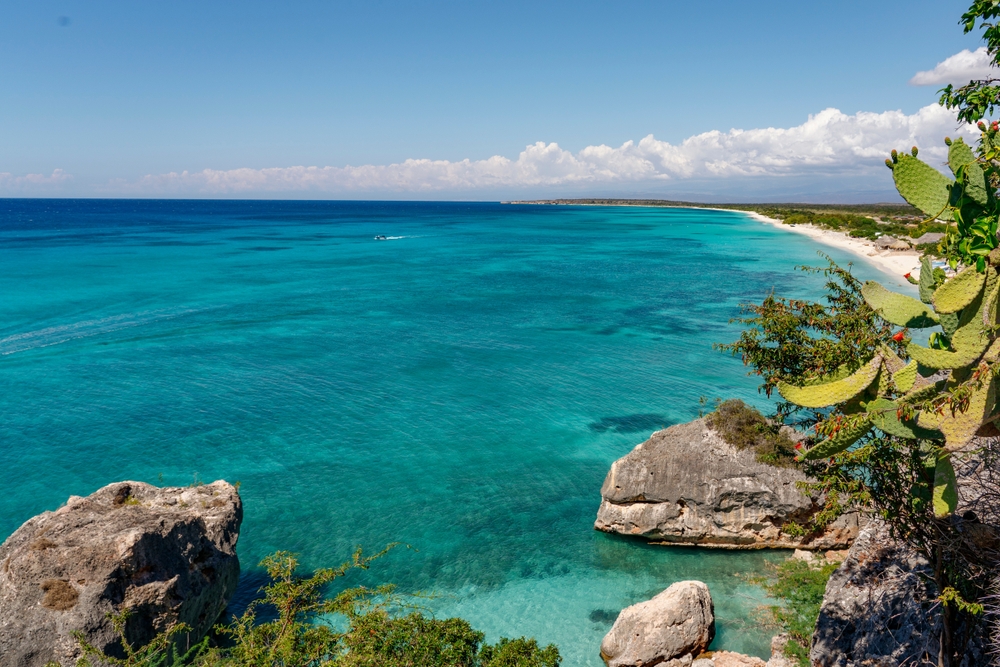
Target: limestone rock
[
  {"x": 872, "y": 614},
  {"x": 669, "y": 629},
  {"x": 167, "y": 555},
  {"x": 730, "y": 659},
  {"x": 686, "y": 485}
]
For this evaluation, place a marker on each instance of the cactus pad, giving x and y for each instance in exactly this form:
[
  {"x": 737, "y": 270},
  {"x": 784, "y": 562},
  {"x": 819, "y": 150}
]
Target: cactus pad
[
  {"x": 899, "y": 309},
  {"x": 959, "y": 427},
  {"x": 831, "y": 393},
  {"x": 959, "y": 291},
  {"x": 960, "y": 155},
  {"x": 922, "y": 185},
  {"x": 905, "y": 377},
  {"x": 926, "y": 282},
  {"x": 840, "y": 440},
  {"x": 885, "y": 418},
  {"x": 949, "y": 323},
  {"x": 945, "y": 487},
  {"x": 969, "y": 343}
]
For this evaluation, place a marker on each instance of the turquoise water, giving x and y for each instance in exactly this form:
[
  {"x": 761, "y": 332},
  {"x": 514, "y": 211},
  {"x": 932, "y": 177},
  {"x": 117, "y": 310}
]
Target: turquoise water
[{"x": 461, "y": 387}]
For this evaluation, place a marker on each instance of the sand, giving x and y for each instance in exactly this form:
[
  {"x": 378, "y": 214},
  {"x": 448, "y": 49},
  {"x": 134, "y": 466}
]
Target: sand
[{"x": 897, "y": 263}]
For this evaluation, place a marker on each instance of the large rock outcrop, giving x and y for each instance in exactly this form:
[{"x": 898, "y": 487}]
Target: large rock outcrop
[
  {"x": 670, "y": 629},
  {"x": 167, "y": 555},
  {"x": 686, "y": 485},
  {"x": 879, "y": 609}
]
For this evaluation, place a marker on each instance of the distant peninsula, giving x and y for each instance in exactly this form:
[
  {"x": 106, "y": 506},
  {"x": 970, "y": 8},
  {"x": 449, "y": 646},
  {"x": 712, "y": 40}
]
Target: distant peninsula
[{"x": 891, "y": 236}]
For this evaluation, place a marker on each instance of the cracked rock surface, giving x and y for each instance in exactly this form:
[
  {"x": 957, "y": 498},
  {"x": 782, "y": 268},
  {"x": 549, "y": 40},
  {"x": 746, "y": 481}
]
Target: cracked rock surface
[
  {"x": 686, "y": 485},
  {"x": 167, "y": 555}
]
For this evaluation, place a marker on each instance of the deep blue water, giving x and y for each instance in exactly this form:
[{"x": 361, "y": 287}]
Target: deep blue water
[{"x": 461, "y": 387}]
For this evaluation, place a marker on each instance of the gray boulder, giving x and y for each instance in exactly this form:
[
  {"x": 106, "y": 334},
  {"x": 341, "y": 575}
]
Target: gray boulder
[
  {"x": 671, "y": 629},
  {"x": 872, "y": 614},
  {"x": 686, "y": 485},
  {"x": 166, "y": 555}
]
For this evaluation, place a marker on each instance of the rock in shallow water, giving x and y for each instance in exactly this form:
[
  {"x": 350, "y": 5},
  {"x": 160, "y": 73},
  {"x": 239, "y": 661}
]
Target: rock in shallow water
[
  {"x": 670, "y": 629},
  {"x": 167, "y": 555},
  {"x": 686, "y": 485}
]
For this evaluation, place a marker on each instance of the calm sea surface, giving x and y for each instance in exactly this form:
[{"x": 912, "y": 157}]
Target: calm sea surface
[{"x": 461, "y": 387}]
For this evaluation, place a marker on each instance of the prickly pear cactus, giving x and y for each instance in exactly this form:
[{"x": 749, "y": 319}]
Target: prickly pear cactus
[
  {"x": 922, "y": 185},
  {"x": 832, "y": 393},
  {"x": 901, "y": 310},
  {"x": 960, "y": 291},
  {"x": 944, "y": 394},
  {"x": 841, "y": 439}
]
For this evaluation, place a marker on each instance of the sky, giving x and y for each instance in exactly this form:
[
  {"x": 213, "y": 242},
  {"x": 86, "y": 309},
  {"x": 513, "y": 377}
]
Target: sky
[{"x": 474, "y": 100}]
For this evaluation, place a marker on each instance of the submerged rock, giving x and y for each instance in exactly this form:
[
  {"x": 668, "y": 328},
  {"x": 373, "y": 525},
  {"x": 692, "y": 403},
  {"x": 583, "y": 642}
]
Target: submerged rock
[
  {"x": 166, "y": 555},
  {"x": 670, "y": 629},
  {"x": 686, "y": 485}
]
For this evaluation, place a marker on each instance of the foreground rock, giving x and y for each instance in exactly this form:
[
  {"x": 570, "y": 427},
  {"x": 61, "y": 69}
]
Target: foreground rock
[
  {"x": 872, "y": 614},
  {"x": 686, "y": 485},
  {"x": 669, "y": 630},
  {"x": 166, "y": 555}
]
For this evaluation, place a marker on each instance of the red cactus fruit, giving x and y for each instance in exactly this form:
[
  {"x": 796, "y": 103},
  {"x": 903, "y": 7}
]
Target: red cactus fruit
[{"x": 898, "y": 336}]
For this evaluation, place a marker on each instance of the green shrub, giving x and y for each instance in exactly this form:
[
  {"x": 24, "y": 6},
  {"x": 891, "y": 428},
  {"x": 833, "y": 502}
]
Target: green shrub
[
  {"x": 305, "y": 632},
  {"x": 745, "y": 428},
  {"x": 800, "y": 589}
]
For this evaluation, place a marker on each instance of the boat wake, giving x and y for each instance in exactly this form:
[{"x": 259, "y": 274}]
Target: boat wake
[{"x": 33, "y": 340}]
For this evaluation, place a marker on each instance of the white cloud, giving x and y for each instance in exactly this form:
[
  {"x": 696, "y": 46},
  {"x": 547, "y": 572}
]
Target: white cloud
[
  {"x": 958, "y": 69},
  {"x": 32, "y": 182},
  {"x": 829, "y": 143}
]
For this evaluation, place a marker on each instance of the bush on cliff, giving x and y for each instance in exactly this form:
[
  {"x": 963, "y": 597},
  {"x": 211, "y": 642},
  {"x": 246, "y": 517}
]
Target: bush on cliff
[
  {"x": 799, "y": 587},
  {"x": 306, "y": 631},
  {"x": 745, "y": 428}
]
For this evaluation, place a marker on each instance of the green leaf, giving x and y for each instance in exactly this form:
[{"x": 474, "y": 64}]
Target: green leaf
[
  {"x": 840, "y": 440},
  {"x": 959, "y": 291},
  {"x": 923, "y": 186},
  {"x": 831, "y": 393},
  {"x": 945, "y": 487}
]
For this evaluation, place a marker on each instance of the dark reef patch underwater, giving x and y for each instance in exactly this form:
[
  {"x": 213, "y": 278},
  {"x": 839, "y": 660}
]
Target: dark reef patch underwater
[{"x": 462, "y": 388}]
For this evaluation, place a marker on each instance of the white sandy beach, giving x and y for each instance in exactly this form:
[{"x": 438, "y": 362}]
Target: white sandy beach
[{"x": 894, "y": 262}]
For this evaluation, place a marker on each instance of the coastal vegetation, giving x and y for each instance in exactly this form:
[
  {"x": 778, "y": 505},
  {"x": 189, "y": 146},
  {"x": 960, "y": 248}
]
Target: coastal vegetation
[
  {"x": 894, "y": 419},
  {"x": 746, "y": 428},
  {"x": 297, "y": 622},
  {"x": 798, "y": 586}
]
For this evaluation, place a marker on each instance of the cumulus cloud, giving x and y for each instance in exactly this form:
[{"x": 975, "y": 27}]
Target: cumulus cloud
[
  {"x": 30, "y": 182},
  {"x": 829, "y": 143},
  {"x": 958, "y": 69}
]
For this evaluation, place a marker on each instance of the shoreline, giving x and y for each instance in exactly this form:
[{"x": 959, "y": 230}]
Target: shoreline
[{"x": 897, "y": 263}]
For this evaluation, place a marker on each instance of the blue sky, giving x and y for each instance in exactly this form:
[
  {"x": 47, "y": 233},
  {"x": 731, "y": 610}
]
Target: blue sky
[{"x": 117, "y": 95}]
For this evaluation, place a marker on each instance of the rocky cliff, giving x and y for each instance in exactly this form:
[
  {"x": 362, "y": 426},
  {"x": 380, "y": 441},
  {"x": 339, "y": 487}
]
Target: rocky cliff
[
  {"x": 880, "y": 609},
  {"x": 686, "y": 485},
  {"x": 166, "y": 555}
]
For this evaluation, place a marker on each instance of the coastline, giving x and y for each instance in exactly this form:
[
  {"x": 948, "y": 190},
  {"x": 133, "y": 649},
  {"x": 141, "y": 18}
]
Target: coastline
[{"x": 894, "y": 262}]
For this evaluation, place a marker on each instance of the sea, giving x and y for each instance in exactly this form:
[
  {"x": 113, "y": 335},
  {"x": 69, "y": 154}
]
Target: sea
[{"x": 460, "y": 387}]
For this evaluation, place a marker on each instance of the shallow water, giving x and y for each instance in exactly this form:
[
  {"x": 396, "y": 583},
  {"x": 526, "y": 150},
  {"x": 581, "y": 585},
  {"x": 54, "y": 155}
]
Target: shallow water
[{"x": 461, "y": 387}]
